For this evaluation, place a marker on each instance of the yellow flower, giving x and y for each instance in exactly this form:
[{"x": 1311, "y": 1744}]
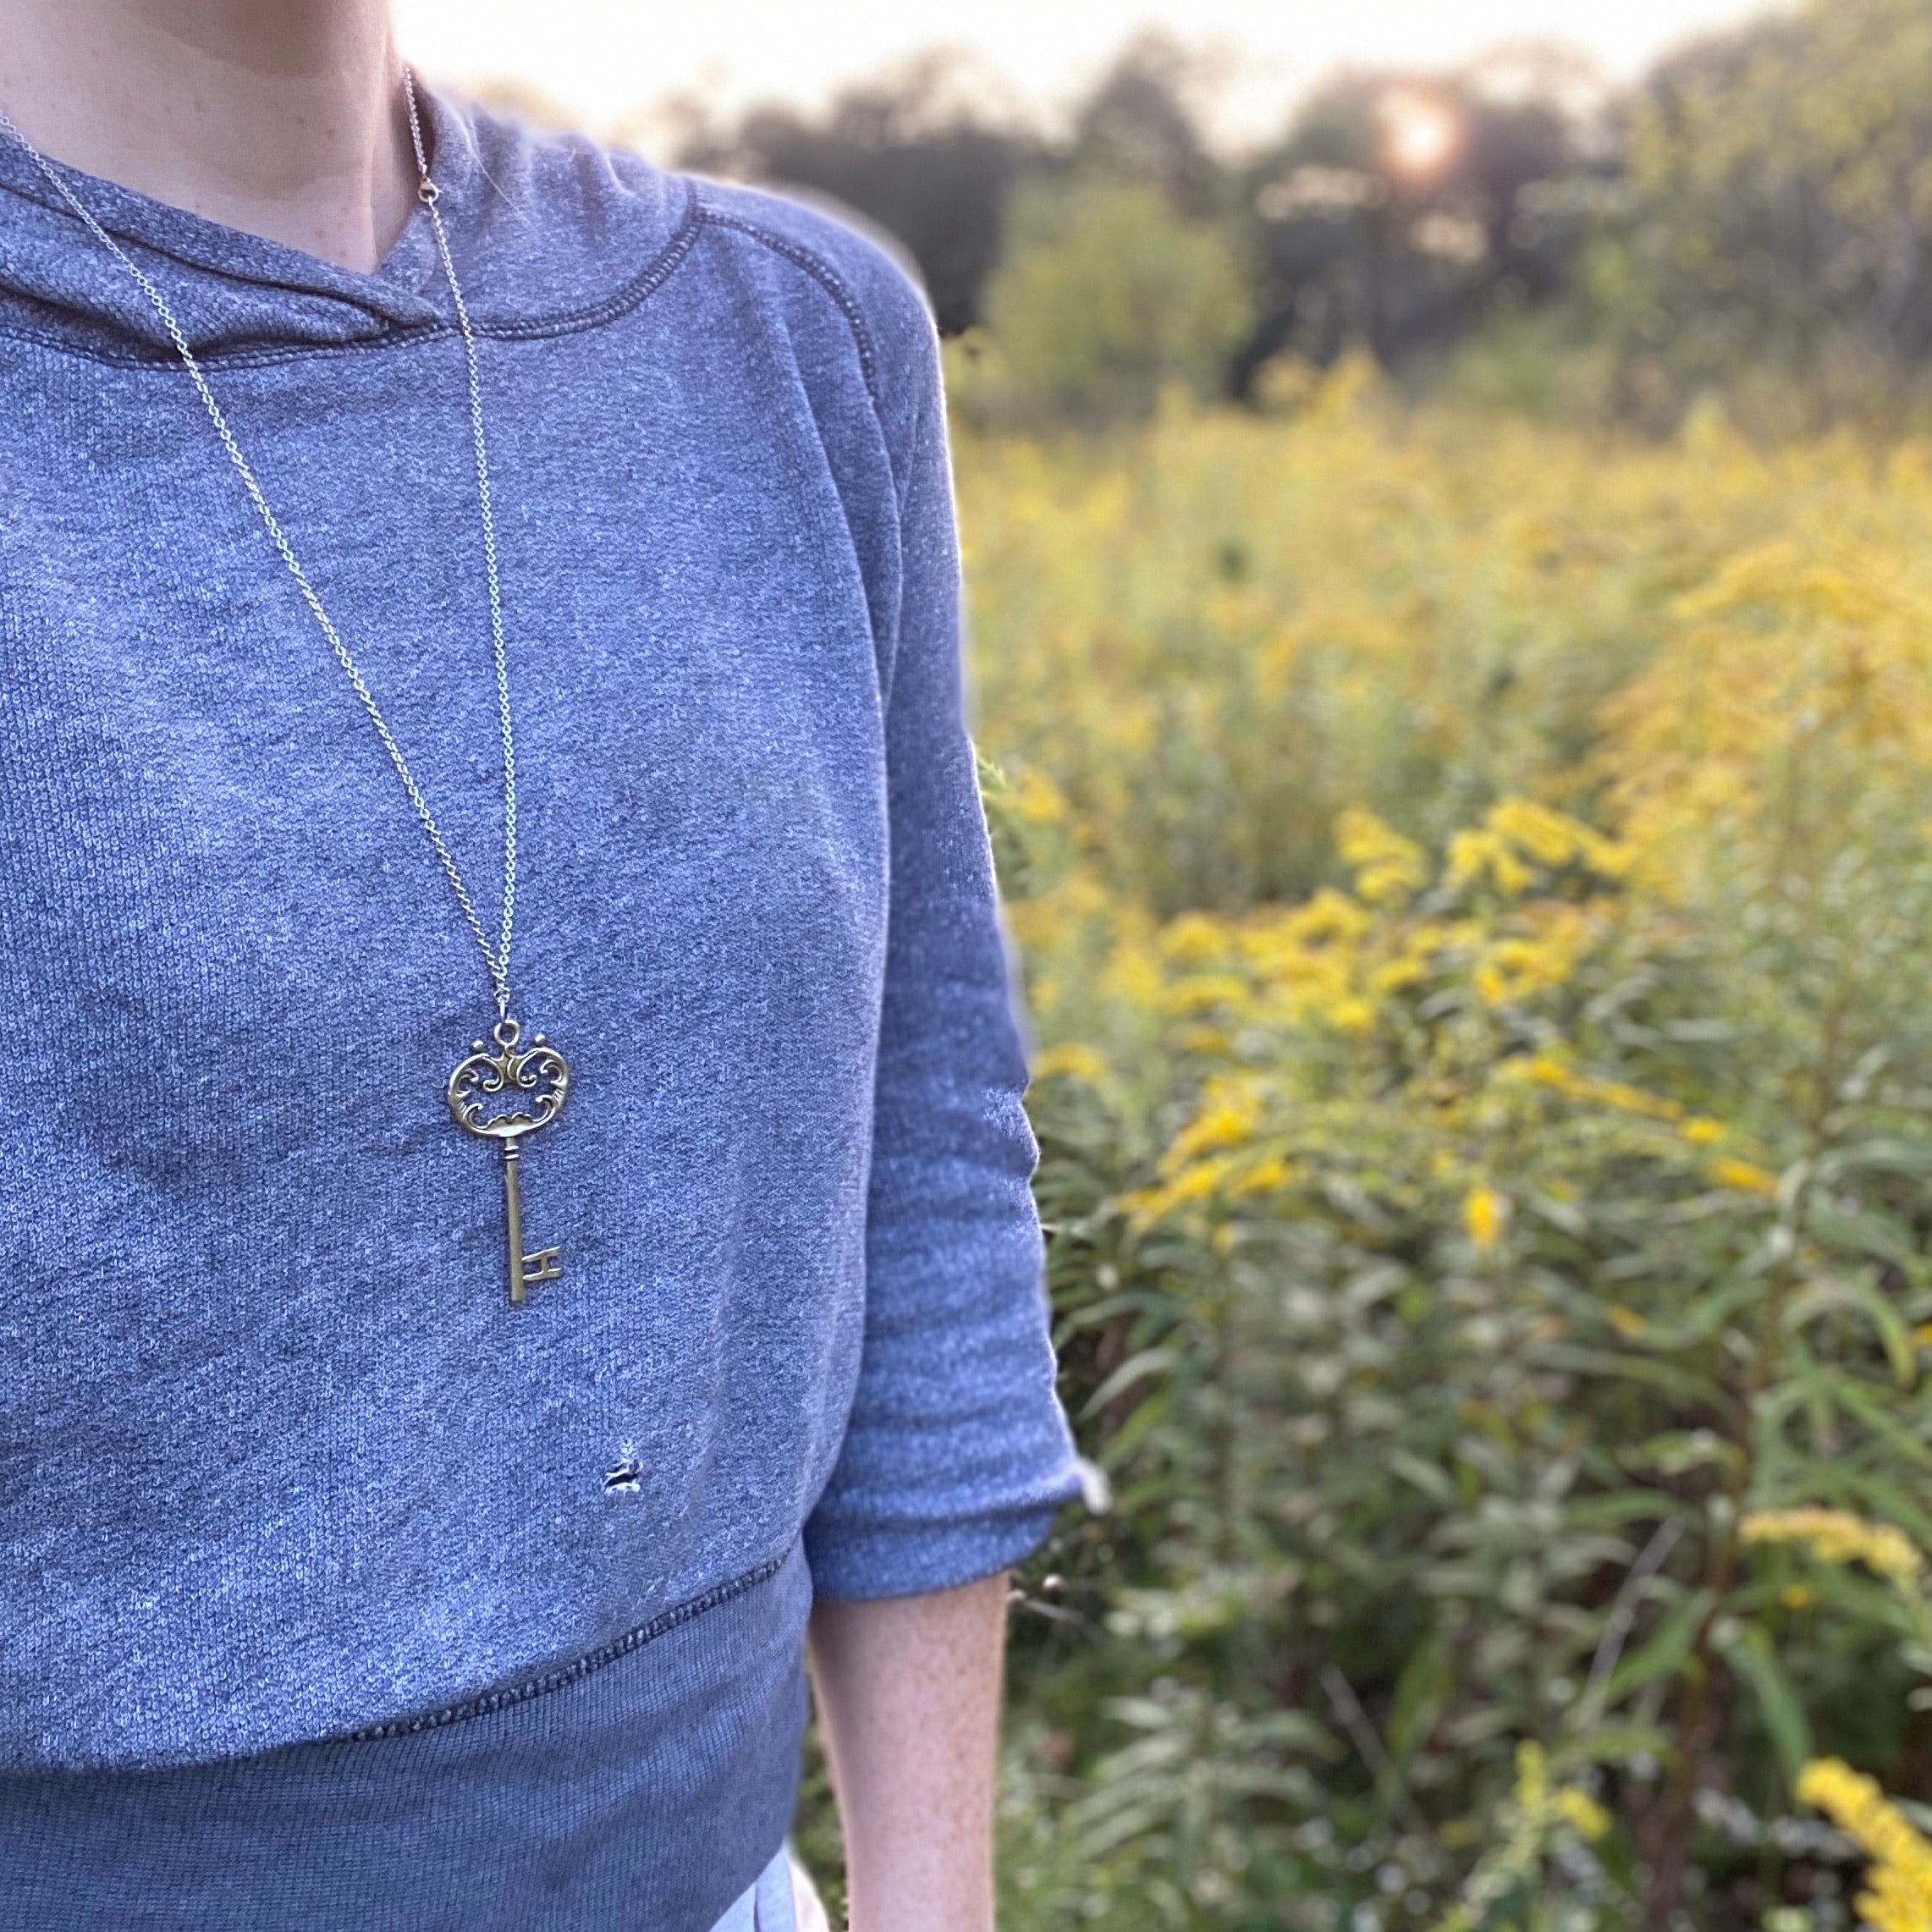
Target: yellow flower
[
  {"x": 1219, "y": 1127},
  {"x": 1262, "y": 1178},
  {"x": 1147, "y": 1206},
  {"x": 1039, "y": 800},
  {"x": 1836, "y": 1536},
  {"x": 1389, "y": 869},
  {"x": 1900, "y": 1878},
  {"x": 1533, "y": 1775},
  {"x": 1350, "y": 1014},
  {"x": 1231, "y": 1112},
  {"x": 1581, "y": 1813},
  {"x": 1515, "y": 968},
  {"x": 1540, "y": 1805},
  {"x": 1742, "y": 1176},
  {"x": 1396, "y": 975},
  {"x": 1701, "y": 1131},
  {"x": 1484, "y": 1211},
  {"x": 1632, "y": 1100},
  {"x": 1072, "y": 1061},
  {"x": 1549, "y": 837},
  {"x": 1472, "y": 854},
  {"x": 1329, "y": 916},
  {"x": 1547, "y": 1070},
  {"x": 1193, "y": 939}
]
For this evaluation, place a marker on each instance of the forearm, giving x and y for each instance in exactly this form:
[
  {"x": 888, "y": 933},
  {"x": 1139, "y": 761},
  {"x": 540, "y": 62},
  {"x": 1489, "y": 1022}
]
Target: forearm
[{"x": 908, "y": 1693}]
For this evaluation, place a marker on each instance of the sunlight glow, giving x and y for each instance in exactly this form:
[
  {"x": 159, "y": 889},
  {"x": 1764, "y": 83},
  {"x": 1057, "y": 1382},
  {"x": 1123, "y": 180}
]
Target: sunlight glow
[{"x": 1420, "y": 132}]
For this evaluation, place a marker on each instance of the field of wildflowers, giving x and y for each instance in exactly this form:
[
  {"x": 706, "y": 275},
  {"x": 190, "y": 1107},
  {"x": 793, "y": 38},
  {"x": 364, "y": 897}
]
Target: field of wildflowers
[{"x": 1472, "y": 881}]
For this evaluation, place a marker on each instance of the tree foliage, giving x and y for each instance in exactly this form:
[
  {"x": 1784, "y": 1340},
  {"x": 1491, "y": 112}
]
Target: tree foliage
[
  {"x": 1106, "y": 296},
  {"x": 1780, "y": 200},
  {"x": 913, "y": 152},
  {"x": 1357, "y": 252},
  {"x": 1751, "y": 216}
]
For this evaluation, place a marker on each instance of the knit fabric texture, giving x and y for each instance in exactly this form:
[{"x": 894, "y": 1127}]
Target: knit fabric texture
[
  {"x": 278, "y": 1463},
  {"x": 541, "y": 1807}
]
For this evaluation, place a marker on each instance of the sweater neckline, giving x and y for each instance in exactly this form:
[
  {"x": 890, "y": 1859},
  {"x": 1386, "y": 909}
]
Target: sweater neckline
[
  {"x": 543, "y": 229},
  {"x": 395, "y": 290}
]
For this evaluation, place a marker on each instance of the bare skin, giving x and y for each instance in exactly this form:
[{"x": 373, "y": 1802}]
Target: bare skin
[
  {"x": 909, "y": 1694},
  {"x": 281, "y": 118},
  {"x": 284, "y": 119}
]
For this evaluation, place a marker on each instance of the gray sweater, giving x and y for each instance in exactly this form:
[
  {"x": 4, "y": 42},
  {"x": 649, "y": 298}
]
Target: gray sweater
[{"x": 278, "y": 1461}]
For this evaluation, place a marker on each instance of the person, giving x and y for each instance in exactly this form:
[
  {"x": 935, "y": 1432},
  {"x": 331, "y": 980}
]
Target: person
[{"x": 516, "y": 1189}]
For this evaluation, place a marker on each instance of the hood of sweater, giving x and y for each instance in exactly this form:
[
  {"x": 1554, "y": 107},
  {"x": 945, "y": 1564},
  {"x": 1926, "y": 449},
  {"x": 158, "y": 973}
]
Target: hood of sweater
[{"x": 240, "y": 296}]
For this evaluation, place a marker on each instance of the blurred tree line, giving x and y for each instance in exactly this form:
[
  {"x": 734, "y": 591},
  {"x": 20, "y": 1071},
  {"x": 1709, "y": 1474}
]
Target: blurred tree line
[{"x": 1754, "y": 210}]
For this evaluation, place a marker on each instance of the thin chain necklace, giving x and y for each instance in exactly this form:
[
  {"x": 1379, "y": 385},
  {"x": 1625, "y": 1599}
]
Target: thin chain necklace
[{"x": 500, "y": 1096}]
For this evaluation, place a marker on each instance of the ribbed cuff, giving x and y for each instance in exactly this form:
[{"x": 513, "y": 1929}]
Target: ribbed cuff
[{"x": 853, "y": 1564}]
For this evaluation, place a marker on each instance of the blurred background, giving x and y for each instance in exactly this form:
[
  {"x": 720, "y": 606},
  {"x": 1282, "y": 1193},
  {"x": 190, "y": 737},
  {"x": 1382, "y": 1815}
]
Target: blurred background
[{"x": 1447, "y": 497}]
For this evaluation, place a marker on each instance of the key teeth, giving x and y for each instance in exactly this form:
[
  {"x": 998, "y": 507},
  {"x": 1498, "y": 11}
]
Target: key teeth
[{"x": 545, "y": 1264}]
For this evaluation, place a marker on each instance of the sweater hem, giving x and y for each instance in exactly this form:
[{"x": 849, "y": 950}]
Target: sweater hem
[{"x": 522, "y": 1690}]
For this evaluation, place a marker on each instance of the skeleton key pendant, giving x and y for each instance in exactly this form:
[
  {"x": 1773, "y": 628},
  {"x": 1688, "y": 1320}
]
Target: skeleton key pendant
[{"x": 501, "y": 1097}]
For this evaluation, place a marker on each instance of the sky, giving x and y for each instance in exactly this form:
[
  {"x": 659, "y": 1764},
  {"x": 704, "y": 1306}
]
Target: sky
[{"x": 603, "y": 60}]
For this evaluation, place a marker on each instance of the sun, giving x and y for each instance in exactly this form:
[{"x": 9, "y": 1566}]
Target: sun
[{"x": 1420, "y": 132}]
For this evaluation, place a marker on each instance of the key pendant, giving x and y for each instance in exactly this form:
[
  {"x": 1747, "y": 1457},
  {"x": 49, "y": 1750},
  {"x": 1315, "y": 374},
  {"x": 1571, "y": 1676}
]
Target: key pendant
[{"x": 501, "y": 1097}]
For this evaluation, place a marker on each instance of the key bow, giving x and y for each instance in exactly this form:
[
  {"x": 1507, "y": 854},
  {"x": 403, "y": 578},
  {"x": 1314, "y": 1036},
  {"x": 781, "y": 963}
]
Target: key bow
[{"x": 510, "y": 1074}]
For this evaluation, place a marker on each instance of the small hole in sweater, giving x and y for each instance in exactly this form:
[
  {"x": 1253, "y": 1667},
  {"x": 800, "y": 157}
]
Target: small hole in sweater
[{"x": 626, "y": 1479}]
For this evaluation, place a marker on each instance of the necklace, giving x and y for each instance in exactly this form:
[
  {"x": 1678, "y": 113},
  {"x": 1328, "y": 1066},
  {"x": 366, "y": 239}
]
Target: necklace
[{"x": 500, "y": 1095}]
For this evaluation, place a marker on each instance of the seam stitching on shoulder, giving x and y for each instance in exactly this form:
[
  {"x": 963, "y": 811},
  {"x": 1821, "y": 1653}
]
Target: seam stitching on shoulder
[
  {"x": 820, "y": 270},
  {"x": 576, "y": 321},
  {"x": 555, "y": 1679}
]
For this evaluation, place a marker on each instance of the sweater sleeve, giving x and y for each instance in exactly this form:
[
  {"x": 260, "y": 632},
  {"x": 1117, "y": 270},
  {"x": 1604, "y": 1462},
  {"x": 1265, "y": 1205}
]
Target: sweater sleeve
[{"x": 956, "y": 1453}]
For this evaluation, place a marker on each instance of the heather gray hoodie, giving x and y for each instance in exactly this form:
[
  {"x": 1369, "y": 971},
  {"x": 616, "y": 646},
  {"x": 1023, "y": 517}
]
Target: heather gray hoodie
[{"x": 278, "y": 1462}]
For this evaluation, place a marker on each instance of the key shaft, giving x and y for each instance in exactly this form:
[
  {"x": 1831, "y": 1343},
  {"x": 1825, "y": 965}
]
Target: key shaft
[{"x": 512, "y": 1213}]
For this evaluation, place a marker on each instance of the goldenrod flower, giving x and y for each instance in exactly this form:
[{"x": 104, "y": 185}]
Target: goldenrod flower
[
  {"x": 1533, "y": 1775},
  {"x": 1231, "y": 1111},
  {"x": 1072, "y": 1060},
  {"x": 1484, "y": 1211},
  {"x": 1581, "y": 1812},
  {"x": 1900, "y": 1897},
  {"x": 1547, "y": 1070},
  {"x": 1389, "y": 869},
  {"x": 1742, "y": 1176},
  {"x": 1836, "y": 1536}
]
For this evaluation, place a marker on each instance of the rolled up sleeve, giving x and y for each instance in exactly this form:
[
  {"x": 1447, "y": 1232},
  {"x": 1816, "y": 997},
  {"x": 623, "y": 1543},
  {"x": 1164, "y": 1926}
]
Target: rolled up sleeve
[{"x": 957, "y": 1453}]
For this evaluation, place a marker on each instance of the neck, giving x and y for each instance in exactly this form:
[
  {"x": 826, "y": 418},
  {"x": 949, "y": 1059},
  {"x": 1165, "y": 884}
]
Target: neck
[{"x": 283, "y": 118}]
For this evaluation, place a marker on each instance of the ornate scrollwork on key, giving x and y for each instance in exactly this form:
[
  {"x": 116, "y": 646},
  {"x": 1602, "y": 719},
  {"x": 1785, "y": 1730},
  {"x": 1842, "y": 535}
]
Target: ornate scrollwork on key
[{"x": 489, "y": 1091}]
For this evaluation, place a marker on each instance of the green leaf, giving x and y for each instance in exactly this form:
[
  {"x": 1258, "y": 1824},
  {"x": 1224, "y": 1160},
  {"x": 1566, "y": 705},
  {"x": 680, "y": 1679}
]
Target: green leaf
[
  {"x": 1824, "y": 1295},
  {"x": 1669, "y": 1646},
  {"x": 1614, "y": 1365},
  {"x": 1754, "y": 1658},
  {"x": 1136, "y": 1368},
  {"x": 1859, "y": 1402},
  {"x": 1420, "y": 1693},
  {"x": 1430, "y": 1477}
]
